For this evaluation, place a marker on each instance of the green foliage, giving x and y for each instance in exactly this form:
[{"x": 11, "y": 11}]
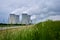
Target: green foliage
[
  {"x": 49, "y": 30},
  {"x": 9, "y": 25}
]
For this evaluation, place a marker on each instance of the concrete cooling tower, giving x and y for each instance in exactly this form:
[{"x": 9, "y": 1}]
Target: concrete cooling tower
[
  {"x": 26, "y": 19},
  {"x": 14, "y": 19}
]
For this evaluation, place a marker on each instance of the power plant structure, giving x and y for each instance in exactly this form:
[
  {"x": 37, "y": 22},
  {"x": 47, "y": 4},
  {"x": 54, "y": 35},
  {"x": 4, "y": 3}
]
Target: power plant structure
[
  {"x": 26, "y": 19},
  {"x": 14, "y": 19}
]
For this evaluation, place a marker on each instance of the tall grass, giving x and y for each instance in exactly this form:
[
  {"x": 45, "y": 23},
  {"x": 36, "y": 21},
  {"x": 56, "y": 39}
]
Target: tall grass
[{"x": 49, "y": 30}]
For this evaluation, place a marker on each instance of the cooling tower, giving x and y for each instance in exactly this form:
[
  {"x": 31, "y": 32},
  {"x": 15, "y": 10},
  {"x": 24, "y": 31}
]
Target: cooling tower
[
  {"x": 14, "y": 19},
  {"x": 25, "y": 19}
]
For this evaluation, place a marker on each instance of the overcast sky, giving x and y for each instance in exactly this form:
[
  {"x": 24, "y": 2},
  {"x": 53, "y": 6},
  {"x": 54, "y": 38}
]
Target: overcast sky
[{"x": 39, "y": 9}]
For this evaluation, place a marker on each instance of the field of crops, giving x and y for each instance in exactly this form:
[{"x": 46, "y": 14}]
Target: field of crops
[{"x": 49, "y": 30}]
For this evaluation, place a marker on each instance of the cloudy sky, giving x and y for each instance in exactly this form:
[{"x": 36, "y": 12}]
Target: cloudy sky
[{"x": 38, "y": 9}]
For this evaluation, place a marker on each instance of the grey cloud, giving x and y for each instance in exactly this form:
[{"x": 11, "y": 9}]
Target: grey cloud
[{"x": 32, "y": 7}]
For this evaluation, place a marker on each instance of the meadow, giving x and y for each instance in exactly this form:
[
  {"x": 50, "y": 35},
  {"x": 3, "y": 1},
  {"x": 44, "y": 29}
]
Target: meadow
[{"x": 48, "y": 30}]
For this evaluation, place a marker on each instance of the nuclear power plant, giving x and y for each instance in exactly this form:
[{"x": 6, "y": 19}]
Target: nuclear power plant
[{"x": 14, "y": 19}]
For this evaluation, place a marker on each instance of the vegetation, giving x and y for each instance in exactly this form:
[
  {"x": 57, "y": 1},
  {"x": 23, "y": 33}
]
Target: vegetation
[
  {"x": 49, "y": 30},
  {"x": 9, "y": 25}
]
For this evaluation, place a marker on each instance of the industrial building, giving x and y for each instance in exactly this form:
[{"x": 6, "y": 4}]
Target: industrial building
[
  {"x": 26, "y": 19},
  {"x": 13, "y": 19}
]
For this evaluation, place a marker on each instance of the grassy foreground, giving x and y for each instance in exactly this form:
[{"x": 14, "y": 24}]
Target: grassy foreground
[{"x": 49, "y": 30}]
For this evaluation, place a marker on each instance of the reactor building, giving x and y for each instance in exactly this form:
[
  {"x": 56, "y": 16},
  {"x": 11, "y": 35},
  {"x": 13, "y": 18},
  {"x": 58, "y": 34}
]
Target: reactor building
[
  {"x": 13, "y": 19},
  {"x": 26, "y": 19}
]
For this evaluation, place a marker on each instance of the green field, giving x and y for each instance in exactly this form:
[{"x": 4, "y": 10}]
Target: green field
[{"x": 48, "y": 30}]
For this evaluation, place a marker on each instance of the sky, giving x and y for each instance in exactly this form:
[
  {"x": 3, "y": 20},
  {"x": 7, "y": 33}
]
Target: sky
[{"x": 40, "y": 10}]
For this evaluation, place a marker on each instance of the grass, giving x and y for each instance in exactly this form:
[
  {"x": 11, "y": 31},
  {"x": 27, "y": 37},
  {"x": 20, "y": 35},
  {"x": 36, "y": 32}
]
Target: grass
[{"x": 48, "y": 30}]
